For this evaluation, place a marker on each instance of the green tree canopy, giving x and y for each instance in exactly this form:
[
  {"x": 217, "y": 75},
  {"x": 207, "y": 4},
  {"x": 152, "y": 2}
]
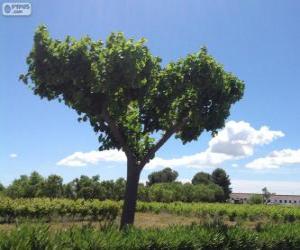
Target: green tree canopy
[
  {"x": 25, "y": 186},
  {"x": 2, "y": 188},
  {"x": 53, "y": 186},
  {"x": 163, "y": 176},
  {"x": 255, "y": 199},
  {"x": 202, "y": 178},
  {"x": 127, "y": 96},
  {"x": 220, "y": 178}
]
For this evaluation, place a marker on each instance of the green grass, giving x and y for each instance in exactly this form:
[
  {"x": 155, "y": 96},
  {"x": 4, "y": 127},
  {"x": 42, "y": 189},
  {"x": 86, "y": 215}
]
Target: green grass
[{"x": 206, "y": 236}]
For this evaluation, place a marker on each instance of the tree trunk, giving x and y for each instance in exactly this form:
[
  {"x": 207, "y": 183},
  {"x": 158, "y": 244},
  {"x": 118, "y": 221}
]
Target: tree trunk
[{"x": 133, "y": 176}]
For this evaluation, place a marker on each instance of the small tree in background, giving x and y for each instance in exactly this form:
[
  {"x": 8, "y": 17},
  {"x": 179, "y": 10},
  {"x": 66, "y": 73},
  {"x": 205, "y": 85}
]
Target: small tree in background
[
  {"x": 202, "y": 178},
  {"x": 266, "y": 195},
  {"x": 255, "y": 199},
  {"x": 127, "y": 96},
  {"x": 220, "y": 178},
  {"x": 26, "y": 186},
  {"x": 2, "y": 189},
  {"x": 164, "y": 176},
  {"x": 119, "y": 188},
  {"x": 53, "y": 186},
  {"x": 35, "y": 184}
]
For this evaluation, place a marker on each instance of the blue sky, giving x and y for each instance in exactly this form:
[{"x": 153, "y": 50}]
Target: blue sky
[{"x": 257, "y": 40}]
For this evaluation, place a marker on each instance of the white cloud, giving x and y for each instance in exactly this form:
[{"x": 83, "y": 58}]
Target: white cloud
[
  {"x": 276, "y": 159},
  {"x": 239, "y": 139},
  {"x": 201, "y": 160},
  {"x": 13, "y": 155},
  {"x": 236, "y": 140},
  {"x": 79, "y": 159},
  {"x": 278, "y": 187}
]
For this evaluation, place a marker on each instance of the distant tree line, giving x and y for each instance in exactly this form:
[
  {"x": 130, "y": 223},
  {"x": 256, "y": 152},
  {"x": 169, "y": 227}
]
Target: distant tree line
[{"x": 161, "y": 186}]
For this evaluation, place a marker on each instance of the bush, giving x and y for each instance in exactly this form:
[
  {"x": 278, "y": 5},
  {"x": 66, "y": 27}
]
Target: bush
[
  {"x": 176, "y": 191},
  {"x": 255, "y": 199},
  {"x": 44, "y": 208},
  {"x": 177, "y": 237}
]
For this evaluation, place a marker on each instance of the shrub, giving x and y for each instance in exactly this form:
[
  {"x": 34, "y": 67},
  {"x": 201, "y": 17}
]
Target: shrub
[{"x": 40, "y": 237}]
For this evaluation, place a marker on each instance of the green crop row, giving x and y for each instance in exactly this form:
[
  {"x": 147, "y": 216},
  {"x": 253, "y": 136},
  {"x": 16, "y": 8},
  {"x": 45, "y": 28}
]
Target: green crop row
[
  {"x": 284, "y": 236},
  {"x": 232, "y": 211},
  {"x": 37, "y": 208},
  {"x": 11, "y": 209}
]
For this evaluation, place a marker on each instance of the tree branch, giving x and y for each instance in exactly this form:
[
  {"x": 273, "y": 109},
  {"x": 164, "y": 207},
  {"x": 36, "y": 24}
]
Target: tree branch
[
  {"x": 116, "y": 133},
  {"x": 161, "y": 142}
]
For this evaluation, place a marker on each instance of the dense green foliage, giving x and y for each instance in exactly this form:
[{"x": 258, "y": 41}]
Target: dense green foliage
[
  {"x": 163, "y": 176},
  {"x": 2, "y": 190},
  {"x": 214, "y": 236},
  {"x": 92, "y": 188},
  {"x": 202, "y": 178},
  {"x": 85, "y": 187},
  {"x": 176, "y": 191},
  {"x": 231, "y": 211},
  {"x": 45, "y": 208},
  {"x": 255, "y": 199},
  {"x": 220, "y": 178},
  {"x": 35, "y": 186},
  {"x": 162, "y": 189},
  {"x": 211, "y": 235},
  {"x": 1, "y": 187},
  {"x": 38, "y": 208},
  {"x": 128, "y": 97},
  {"x": 125, "y": 93}
]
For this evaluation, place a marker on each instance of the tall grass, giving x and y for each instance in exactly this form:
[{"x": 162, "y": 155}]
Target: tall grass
[{"x": 285, "y": 236}]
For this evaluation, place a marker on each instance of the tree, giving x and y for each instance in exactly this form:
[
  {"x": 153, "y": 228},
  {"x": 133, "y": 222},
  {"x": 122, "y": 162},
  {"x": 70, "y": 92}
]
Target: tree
[
  {"x": 119, "y": 188},
  {"x": 69, "y": 190},
  {"x": 220, "y": 178},
  {"x": 85, "y": 187},
  {"x": 265, "y": 195},
  {"x": 255, "y": 199},
  {"x": 202, "y": 178},
  {"x": 35, "y": 184},
  {"x": 165, "y": 175},
  {"x": 53, "y": 186},
  {"x": 208, "y": 193},
  {"x": 26, "y": 187},
  {"x": 2, "y": 188},
  {"x": 18, "y": 188},
  {"x": 127, "y": 96}
]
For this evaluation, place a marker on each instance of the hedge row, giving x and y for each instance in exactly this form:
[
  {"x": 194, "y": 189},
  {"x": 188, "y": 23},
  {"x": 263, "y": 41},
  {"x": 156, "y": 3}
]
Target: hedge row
[
  {"x": 108, "y": 210},
  {"x": 285, "y": 236},
  {"x": 232, "y": 211},
  {"x": 38, "y": 208}
]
